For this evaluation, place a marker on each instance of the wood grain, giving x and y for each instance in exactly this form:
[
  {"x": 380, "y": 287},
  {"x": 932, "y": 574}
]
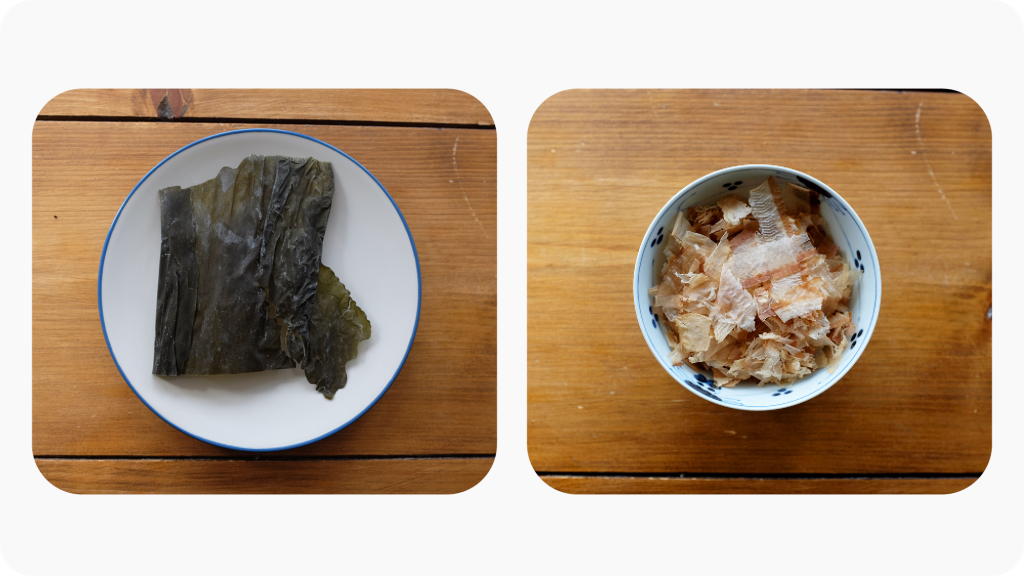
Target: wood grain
[
  {"x": 601, "y": 164},
  {"x": 433, "y": 476},
  {"x": 588, "y": 485},
  {"x": 398, "y": 106},
  {"x": 444, "y": 400}
]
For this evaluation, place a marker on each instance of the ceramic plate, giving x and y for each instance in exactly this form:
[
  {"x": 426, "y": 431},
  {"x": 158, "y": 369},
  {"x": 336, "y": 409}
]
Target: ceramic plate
[{"x": 367, "y": 244}]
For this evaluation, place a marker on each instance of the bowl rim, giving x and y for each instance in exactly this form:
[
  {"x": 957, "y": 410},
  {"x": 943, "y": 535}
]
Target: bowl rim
[{"x": 872, "y": 253}]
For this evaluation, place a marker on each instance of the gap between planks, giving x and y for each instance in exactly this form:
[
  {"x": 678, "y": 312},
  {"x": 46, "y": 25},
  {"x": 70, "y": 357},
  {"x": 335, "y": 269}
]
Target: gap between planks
[
  {"x": 931, "y": 90},
  {"x": 292, "y": 121},
  {"x": 780, "y": 476},
  {"x": 272, "y": 458}
]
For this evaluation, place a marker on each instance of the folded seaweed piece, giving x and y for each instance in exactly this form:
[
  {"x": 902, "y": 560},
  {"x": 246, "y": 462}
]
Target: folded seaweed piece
[
  {"x": 336, "y": 327},
  {"x": 239, "y": 273}
]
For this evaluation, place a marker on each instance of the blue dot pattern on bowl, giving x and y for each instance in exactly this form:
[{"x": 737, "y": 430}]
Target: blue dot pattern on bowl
[
  {"x": 783, "y": 391},
  {"x": 836, "y": 205},
  {"x": 853, "y": 340},
  {"x": 829, "y": 199},
  {"x": 706, "y": 386},
  {"x": 807, "y": 184}
]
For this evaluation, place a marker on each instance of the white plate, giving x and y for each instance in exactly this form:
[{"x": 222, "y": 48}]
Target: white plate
[{"x": 367, "y": 244}]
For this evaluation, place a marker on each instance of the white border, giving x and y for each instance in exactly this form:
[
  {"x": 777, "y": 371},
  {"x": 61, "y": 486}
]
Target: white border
[{"x": 511, "y": 56}]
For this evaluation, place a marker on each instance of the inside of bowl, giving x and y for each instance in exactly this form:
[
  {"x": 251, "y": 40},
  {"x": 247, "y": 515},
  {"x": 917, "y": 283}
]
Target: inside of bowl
[{"x": 845, "y": 230}]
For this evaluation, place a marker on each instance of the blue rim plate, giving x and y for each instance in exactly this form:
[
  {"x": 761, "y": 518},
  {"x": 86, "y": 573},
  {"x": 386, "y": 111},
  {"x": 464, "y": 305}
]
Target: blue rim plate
[
  {"x": 843, "y": 225},
  {"x": 367, "y": 243}
]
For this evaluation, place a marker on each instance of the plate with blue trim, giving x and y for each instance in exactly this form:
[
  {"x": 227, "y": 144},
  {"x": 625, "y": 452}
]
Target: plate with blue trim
[{"x": 367, "y": 243}]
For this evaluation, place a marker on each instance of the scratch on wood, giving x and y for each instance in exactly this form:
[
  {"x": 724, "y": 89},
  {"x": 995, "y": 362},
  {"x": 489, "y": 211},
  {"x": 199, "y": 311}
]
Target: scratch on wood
[
  {"x": 928, "y": 165},
  {"x": 458, "y": 176}
]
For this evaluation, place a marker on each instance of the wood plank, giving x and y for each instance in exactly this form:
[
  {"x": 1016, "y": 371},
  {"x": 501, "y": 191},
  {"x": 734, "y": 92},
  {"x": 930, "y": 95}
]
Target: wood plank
[
  {"x": 432, "y": 476},
  {"x": 606, "y": 485},
  {"x": 401, "y": 106},
  {"x": 444, "y": 400},
  {"x": 600, "y": 166}
]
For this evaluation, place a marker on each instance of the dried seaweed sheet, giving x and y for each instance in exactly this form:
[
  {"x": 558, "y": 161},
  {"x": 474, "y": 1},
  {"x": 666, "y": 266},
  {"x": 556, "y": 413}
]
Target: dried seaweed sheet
[
  {"x": 257, "y": 241},
  {"x": 291, "y": 250},
  {"x": 336, "y": 327},
  {"x": 179, "y": 278}
]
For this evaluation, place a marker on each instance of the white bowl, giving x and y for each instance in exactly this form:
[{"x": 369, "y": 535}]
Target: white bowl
[{"x": 846, "y": 231}]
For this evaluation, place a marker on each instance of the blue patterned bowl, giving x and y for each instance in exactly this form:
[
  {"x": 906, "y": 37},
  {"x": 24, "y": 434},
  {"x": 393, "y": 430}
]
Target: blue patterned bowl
[{"x": 846, "y": 230}]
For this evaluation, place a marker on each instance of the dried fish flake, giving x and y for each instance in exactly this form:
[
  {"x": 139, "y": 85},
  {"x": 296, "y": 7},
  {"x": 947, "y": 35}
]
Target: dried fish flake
[{"x": 756, "y": 289}]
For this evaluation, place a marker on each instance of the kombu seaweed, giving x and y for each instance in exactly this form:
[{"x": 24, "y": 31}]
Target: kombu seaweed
[
  {"x": 239, "y": 274},
  {"x": 291, "y": 250},
  {"x": 337, "y": 326},
  {"x": 179, "y": 279}
]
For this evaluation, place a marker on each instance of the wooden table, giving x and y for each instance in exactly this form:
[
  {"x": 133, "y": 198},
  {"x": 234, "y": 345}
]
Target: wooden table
[
  {"x": 914, "y": 415},
  {"x": 434, "y": 431}
]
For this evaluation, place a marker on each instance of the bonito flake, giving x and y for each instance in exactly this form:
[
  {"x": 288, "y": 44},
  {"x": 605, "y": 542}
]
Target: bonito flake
[{"x": 756, "y": 289}]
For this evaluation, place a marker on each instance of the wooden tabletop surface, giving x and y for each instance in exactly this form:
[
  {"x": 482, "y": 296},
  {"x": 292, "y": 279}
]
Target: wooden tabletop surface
[
  {"x": 914, "y": 415},
  {"x": 434, "y": 431}
]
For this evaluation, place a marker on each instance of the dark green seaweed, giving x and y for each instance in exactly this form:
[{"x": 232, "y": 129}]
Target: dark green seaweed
[
  {"x": 179, "y": 278},
  {"x": 258, "y": 239},
  {"x": 241, "y": 286},
  {"x": 336, "y": 327},
  {"x": 292, "y": 248}
]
